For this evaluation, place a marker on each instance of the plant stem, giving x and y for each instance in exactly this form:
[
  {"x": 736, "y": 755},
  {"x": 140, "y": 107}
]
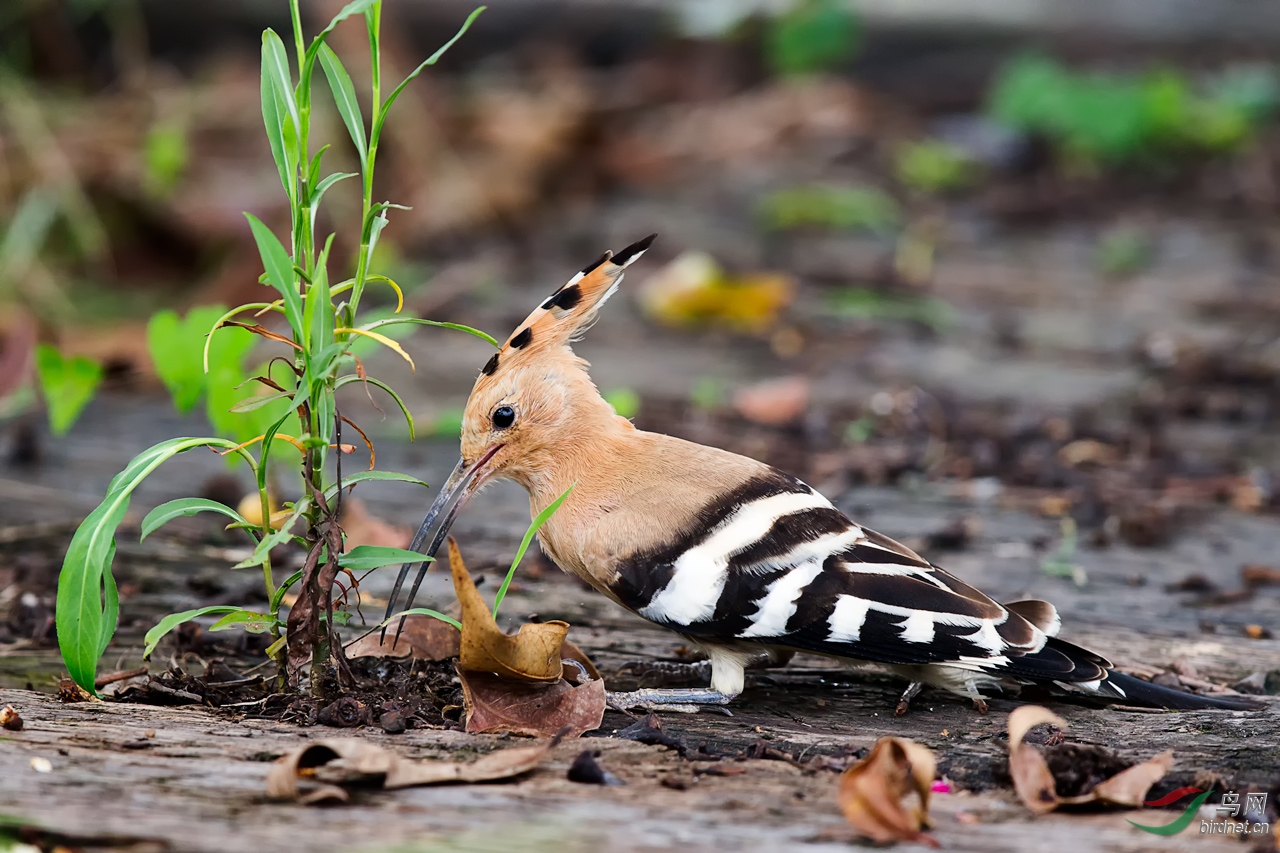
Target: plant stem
[{"x": 375, "y": 133}]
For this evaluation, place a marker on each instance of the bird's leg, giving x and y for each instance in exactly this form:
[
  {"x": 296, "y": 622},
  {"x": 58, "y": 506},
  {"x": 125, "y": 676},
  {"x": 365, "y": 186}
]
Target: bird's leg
[
  {"x": 979, "y": 703},
  {"x": 904, "y": 703},
  {"x": 727, "y": 678}
]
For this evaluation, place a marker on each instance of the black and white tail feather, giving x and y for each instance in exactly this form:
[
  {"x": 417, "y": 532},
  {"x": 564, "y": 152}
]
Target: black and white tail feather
[{"x": 773, "y": 565}]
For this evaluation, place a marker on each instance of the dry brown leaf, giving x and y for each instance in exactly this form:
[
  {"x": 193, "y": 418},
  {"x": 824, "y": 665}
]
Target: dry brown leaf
[
  {"x": 349, "y": 759},
  {"x": 365, "y": 529},
  {"x": 493, "y": 704},
  {"x": 533, "y": 654},
  {"x": 1036, "y": 787},
  {"x": 872, "y": 790},
  {"x": 775, "y": 402},
  {"x": 1031, "y": 777},
  {"x": 423, "y": 638},
  {"x": 694, "y": 290}
]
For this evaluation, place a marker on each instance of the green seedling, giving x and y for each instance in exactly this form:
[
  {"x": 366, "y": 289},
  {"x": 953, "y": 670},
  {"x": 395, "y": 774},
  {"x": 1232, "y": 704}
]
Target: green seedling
[
  {"x": 852, "y": 208},
  {"x": 284, "y": 412},
  {"x": 812, "y": 36}
]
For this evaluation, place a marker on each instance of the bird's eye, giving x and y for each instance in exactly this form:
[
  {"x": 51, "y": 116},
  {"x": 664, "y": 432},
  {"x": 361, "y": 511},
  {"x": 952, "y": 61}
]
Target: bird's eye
[{"x": 503, "y": 417}]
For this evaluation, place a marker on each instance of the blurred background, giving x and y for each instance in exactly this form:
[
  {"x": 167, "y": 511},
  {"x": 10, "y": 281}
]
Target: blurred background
[{"x": 997, "y": 252}]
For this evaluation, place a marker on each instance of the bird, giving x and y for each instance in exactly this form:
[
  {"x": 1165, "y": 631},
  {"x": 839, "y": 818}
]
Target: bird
[{"x": 745, "y": 561}]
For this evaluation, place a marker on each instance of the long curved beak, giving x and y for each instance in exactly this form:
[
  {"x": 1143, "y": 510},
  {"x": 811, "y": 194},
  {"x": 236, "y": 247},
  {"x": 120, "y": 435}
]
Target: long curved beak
[{"x": 464, "y": 481}]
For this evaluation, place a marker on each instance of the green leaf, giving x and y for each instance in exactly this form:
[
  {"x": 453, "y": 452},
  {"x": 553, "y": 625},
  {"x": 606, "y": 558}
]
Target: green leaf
[
  {"x": 283, "y": 590},
  {"x": 68, "y": 385},
  {"x": 319, "y": 302},
  {"x": 539, "y": 520},
  {"x": 376, "y": 556},
  {"x": 257, "y": 401},
  {"x": 431, "y": 60},
  {"x": 813, "y": 35},
  {"x": 418, "y": 321},
  {"x": 275, "y": 67},
  {"x": 173, "y": 620},
  {"x": 323, "y": 187},
  {"x": 182, "y": 348},
  {"x": 254, "y": 623},
  {"x": 275, "y": 119},
  {"x": 86, "y": 621},
  {"x": 344, "y": 95},
  {"x": 421, "y": 611},
  {"x": 181, "y": 508},
  {"x": 365, "y": 476},
  {"x": 346, "y": 380},
  {"x": 279, "y": 268}
]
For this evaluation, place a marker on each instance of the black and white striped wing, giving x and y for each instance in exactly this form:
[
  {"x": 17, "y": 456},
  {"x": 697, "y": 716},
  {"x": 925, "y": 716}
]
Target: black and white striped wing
[{"x": 775, "y": 562}]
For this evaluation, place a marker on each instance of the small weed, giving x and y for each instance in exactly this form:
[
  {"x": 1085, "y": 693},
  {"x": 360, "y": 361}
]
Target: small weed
[
  {"x": 932, "y": 166},
  {"x": 1123, "y": 253},
  {"x": 1061, "y": 563},
  {"x": 853, "y": 208},
  {"x": 287, "y": 406},
  {"x": 1109, "y": 118},
  {"x": 812, "y": 36},
  {"x": 860, "y": 303}
]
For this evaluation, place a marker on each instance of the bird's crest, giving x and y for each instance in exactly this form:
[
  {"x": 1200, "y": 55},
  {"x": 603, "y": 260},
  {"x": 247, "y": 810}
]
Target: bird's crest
[{"x": 565, "y": 315}]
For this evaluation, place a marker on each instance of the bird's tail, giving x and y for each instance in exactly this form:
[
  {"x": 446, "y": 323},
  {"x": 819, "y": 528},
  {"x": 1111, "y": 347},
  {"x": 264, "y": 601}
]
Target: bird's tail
[{"x": 1138, "y": 692}]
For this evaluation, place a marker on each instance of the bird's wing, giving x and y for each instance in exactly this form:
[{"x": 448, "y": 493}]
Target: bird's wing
[{"x": 775, "y": 562}]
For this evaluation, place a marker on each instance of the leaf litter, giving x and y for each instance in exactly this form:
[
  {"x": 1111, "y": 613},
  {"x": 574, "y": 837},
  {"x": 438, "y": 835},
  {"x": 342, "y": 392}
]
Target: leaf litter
[{"x": 1073, "y": 774}]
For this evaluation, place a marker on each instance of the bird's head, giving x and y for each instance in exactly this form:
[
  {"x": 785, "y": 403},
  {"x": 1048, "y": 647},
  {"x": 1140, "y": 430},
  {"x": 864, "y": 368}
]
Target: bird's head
[{"x": 533, "y": 401}]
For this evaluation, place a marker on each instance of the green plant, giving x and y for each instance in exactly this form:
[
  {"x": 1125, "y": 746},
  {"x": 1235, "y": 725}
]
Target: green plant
[
  {"x": 296, "y": 407},
  {"x": 861, "y": 303},
  {"x": 933, "y": 166},
  {"x": 1102, "y": 118},
  {"x": 68, "y": 385},
  {"x": 834, "y": 207},
  {"x": 813, "y": 35}
]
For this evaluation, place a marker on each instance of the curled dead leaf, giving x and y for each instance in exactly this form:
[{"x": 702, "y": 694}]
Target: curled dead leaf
[
  {"x": 492, "y": 704},
  {"x": 871, "y": 792},
  {"x": 694, "y": 290},
  {"x": 352, "y": 760},
  {"x": 1035, "y": 784},
  {"x": 533, "y": 654}
]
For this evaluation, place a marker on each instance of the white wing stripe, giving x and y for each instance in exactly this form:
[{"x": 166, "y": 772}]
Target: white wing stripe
[{"x": 699, "y": 573}]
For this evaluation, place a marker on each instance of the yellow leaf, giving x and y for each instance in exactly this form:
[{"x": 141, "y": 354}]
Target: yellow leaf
[{"x": 382, "y": 339}]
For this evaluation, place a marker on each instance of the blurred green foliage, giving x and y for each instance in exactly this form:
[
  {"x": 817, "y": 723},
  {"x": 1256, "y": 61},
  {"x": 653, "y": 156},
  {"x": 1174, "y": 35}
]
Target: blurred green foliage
[
  {"x": 1107, "y": 118},
  {"x": 625, "y": 402},
  {"x": 836, "y": 207},
  {"x": 68, "y": 385},
  {"x": 861, "y": 303},
  {"x": 812, "y": 36},
  {"x": 933, "y": 166},
  {"x": 237, "y": 406},
  {"x": 1123, "y": 252},
  {"x": 165, "y": 155}
]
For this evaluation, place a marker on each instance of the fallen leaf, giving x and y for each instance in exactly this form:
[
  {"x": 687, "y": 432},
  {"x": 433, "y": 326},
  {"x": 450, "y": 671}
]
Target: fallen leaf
[
  {"x": 1036, "y": 786},
  {"x": 872, "y": 790},
  {"x": 422, "y": 638},
  {"x": 775, "y": 402},
  {"x": 694, "y": 290},
  {"x": 494, "y": 704},
  {"x": 533, "y": 654},
  {"x": 1032, "y": 780},
  {"x": 1087, "y": 451},
  {"x": 352, "y": 760},
  {"x": 365, "y": 529},
  {"x": 10, "y": 719},
  {"x": 1255, "y": 574}
]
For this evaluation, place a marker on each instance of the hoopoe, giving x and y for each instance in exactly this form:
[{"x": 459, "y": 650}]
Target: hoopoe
[{"x": 740, "y": 558}]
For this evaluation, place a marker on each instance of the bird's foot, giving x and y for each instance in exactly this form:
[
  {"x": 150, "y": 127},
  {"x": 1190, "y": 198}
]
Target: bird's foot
[
  {"x": 687, "y": 701},
  {"x": 904, "y": 703},
  {"x": 980, "y": 705}
]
